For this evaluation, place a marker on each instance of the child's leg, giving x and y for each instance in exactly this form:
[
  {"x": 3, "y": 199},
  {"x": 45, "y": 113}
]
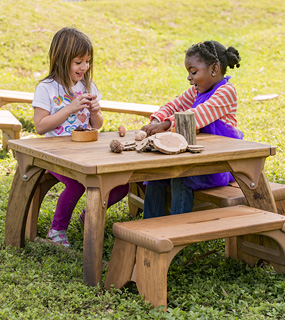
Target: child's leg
[
  {"x": 118, "y": 194},
  {"x": 154, "y": 201},
  {"x": 66, "y": 202},
  {"x": 181, "y": 197}
]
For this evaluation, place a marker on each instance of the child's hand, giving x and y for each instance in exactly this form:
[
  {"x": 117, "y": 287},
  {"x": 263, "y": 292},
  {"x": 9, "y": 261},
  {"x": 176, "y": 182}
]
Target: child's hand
[
  {"x": 154, "y": 128},
  {"x": 80, "y": 102},
  {"x": 94, "y": 104}
]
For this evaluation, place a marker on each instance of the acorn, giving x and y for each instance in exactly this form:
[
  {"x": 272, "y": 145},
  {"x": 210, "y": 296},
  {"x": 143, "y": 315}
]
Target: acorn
[{"x": 122, "y": 131}]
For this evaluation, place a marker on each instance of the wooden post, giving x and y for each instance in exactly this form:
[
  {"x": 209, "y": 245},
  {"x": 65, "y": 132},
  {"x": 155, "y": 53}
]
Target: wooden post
[{"x": 185, "y": 124}]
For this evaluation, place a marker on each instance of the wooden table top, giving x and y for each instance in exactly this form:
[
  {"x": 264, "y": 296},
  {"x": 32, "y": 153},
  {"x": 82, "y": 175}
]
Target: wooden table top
[{"x": 96, "y": 157}]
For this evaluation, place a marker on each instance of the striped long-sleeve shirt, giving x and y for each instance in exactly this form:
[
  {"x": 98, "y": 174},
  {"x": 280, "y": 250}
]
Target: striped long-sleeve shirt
[{"x": 221, "y": 105}]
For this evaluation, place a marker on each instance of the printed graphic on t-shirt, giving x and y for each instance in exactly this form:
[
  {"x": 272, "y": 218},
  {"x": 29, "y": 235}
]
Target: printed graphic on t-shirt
[{"x": 80, "y": 118}]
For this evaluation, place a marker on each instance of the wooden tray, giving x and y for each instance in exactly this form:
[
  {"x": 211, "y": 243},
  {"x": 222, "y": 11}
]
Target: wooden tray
[{"x": 85, "y": 136}]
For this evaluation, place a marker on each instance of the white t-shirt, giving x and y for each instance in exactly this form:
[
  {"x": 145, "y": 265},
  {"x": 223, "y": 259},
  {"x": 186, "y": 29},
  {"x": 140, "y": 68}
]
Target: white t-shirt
[{"x": 50, "y": 96}]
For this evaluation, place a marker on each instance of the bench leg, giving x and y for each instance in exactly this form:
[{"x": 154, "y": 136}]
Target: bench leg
[
  {"x": 136, "y": 198},
  {"x": 232, "y": 250},
  {"x": 281, "y": 207},
  {"x": 261, "y": 197},
  {"x": 20, "y": 197},
  {"x": 151, "y": 276},
  {"x": 9, "y": 134},
  {"x": 47, "y": 181},
  {"x": 268, "y": 246},
  {"x": 121, "y": 264}
]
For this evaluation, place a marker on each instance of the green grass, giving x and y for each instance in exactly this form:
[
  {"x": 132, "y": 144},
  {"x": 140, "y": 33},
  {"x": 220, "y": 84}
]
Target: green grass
[{"x": 139, "y": 57}]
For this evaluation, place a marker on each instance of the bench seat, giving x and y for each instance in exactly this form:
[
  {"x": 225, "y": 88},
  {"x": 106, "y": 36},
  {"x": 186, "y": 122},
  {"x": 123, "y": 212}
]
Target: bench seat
[
  {"x": 232, "y": 195},
  {"x": 144, "y": 249},
  {"x": 218, "y": 197},
  {"x": 10, "y": 126}
]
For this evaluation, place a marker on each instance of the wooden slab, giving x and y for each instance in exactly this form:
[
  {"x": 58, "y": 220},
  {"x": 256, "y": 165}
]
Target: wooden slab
[{"x": 169, "y": 142}]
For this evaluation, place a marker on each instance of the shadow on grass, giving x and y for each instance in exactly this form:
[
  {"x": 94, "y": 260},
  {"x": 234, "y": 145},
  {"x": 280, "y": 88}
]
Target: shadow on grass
[{"x": 4, "y": 154}]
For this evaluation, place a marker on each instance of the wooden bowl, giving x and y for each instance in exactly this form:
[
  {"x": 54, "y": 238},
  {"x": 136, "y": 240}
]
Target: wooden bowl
[{"x": 85, "y": 136}]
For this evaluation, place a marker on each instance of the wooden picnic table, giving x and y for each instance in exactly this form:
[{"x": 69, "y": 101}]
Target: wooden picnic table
[{"x": 100, "y": 170}]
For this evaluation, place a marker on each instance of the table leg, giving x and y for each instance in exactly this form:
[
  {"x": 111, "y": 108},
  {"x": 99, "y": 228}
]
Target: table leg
[
  {"x": 20, "y": 197},
  {"x": 93, "y": 237},
  {"x": 261, "y": 197}
]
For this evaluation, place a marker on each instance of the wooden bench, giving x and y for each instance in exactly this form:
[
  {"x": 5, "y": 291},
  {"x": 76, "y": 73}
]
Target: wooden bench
[
  {"x": 232, "y": 195},
  {"x": 218, "y": 197},
  {"x": 10, "y": 96},
  {"x": 47, "y": 181},
  {"x": 144, "y": 249},
  {"x": 10, "y": 127}
]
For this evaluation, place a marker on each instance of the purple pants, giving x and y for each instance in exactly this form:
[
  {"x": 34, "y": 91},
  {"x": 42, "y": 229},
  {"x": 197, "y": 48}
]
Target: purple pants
[{"x": 71, "y": 195}]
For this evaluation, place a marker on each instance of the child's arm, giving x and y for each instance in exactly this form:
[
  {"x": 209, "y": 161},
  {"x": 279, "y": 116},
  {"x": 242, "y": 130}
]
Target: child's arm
[
  {"x": 160, "y": 121},
  {"x": 45, "y": 122},
  {"x": 182, "y": 103},
  {"x": 96, "y": 117},
  {"x": 156, "y": 127},
  {"x": 221, "y": 105}
]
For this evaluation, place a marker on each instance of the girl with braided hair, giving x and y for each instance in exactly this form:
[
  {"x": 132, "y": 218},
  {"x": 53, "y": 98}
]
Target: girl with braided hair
[{"x": 213, "y": 100}]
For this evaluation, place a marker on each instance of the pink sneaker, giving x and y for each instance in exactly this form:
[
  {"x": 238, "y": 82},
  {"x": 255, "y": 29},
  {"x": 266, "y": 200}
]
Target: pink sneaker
[{"x": 59, "y": 236}]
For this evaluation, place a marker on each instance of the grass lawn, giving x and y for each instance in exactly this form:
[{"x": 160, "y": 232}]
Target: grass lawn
[{"x": 139, "y": 57}]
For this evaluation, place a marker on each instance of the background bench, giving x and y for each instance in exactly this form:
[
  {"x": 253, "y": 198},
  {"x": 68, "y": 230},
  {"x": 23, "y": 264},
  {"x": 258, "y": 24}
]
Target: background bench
[
  {"x": 11, "y": 96},
  {"x": 10, "y": 126}
]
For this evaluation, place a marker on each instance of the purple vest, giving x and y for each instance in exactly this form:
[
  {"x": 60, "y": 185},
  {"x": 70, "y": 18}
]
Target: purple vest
[{"x": 219, "y": 128}]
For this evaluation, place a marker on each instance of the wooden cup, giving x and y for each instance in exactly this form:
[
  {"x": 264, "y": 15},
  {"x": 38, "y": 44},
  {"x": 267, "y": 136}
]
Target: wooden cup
[{"x": 85, "y": 136}]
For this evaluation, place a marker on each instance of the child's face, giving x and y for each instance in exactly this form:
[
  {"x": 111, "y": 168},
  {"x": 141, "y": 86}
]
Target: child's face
[
  {"x": 200, "y": 75},
  {"x": 78, "y": 67}
]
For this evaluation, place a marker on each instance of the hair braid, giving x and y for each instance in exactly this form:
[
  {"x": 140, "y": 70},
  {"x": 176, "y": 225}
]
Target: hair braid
[
  {"x": 213, "y": 52},
  {"x": 233, "y": 57}
]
